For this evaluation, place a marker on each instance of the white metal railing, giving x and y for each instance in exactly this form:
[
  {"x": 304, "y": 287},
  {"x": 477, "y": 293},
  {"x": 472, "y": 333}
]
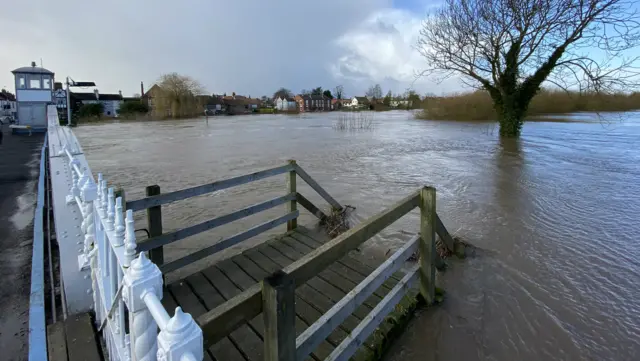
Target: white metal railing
[{"x": 127, "y": 287}]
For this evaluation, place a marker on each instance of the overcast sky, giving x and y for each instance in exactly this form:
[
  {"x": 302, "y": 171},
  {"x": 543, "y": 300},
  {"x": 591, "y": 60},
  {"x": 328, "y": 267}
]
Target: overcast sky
[{"x": 252, "y": 47}]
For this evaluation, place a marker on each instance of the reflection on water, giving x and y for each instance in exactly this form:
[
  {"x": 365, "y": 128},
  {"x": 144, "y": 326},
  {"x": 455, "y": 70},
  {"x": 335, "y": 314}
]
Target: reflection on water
[{"x": 554, "y": 215}]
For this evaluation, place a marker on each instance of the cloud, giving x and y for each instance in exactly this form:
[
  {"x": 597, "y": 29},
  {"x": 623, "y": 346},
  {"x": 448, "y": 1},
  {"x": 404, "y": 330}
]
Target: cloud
[
  {"x": 251, "y": 47},
  {"x": 381, "y": 50}
]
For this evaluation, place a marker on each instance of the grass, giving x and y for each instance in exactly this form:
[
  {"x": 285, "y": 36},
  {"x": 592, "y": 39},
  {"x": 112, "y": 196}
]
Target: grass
[{"x": 477, "y": 106}]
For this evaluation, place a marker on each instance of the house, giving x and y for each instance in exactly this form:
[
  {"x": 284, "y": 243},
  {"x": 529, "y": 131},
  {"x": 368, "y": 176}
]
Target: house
[
  {"x": 360, "y": 102},
  {"x": 236, "y": 104},
  {"x": 7, "y": 104},
  {"x": 153, "y": 97},
  {"x": 110, "y": 102},
  {"x": 400, "y": 103},
  {"x": 253, "y": 103},
  {"x": 286, "y": 104},
  {"x": 312, "y": 103},
  {"x": 215, "y": 105}
]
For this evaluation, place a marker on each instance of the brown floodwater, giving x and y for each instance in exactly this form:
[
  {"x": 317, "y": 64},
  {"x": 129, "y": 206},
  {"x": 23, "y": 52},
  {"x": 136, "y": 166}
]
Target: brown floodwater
[{"x": 554, "y": 215}]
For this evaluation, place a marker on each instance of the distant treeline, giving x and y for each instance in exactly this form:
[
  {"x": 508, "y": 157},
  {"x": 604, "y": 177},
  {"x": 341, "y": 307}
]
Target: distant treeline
[{"x": 478, "y": 105}]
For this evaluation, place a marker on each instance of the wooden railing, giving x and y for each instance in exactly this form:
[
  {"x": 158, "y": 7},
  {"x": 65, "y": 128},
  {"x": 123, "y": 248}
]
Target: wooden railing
[
  {"x": 154, "y": 200},
  {"x": 275, "y": 295}
]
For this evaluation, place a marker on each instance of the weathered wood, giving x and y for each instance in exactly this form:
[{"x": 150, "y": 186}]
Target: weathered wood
[
  {"x": 278, "y": 299},
  {"x": 191, "y": 304},
  {"x": 351, "y": 344},
  {"x": 313, "y": 184},
  {"x": 291, "y": 206},
  {"x": 226, "y": 243},
  {"x": 168, "y": 238},
  {"x": 304, "y": 202},
  {"x": 441, "y": 230},
  {"x": 221, "y": 321},
  {"x": 165, "y": 198},
  {"x": 224, "y": 319},
  {"x": 306, "y": 267},
  {"x": 224, "y": 349},
  {"x": 56, "y": 342},
  {"x": 427, "y": 248},
  {"x": 154, "y": 225},
  {"x": 343, "y": 308},
  {"x": 82, "y": 344}
]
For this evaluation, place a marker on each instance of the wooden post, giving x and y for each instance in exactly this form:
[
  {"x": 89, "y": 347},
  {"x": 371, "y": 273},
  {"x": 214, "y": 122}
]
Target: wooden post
[
  {"x": 292, "y": 206},
  {"x": 278, "y": 308},
  {"x": 427, "y": 244},
  {"x": 154, "y": 224}
]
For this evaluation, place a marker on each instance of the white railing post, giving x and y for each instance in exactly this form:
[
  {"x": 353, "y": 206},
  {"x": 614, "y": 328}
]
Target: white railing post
[
  {"x": 181, "y": 339},
  {"x": 88, "y": 195},
  {"x": 140, "y": 278},
  {"x": 75, "y": 190}
]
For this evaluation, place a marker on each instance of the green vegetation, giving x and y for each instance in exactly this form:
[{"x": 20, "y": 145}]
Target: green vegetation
[
  {"x": 132, "y": 108},
  {"x": 478, "y": 105},
  {"x": 93, "y": 110}
]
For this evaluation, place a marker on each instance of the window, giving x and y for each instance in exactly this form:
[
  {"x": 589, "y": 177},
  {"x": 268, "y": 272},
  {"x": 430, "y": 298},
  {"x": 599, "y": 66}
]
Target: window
[
  {"x": 46, "y": 82},
  {"x": 34, "y": 82},
  {"x": 21, "y": 82},
  {"x": 306, "y": 103}
]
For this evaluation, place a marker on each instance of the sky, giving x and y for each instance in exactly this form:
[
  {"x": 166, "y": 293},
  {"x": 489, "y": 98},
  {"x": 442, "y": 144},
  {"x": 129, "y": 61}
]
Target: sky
[{"x": 251, "y": 47}]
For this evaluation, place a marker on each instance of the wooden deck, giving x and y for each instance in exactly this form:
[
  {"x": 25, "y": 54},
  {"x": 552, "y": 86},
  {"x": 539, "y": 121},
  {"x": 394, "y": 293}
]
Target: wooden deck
[
  {"x": 73, "y": 339},
  {"x": 209, "y": 288}
]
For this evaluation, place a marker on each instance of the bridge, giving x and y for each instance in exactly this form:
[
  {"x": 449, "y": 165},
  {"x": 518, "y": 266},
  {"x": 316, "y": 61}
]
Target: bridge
[{"x": 298, "y": 296}]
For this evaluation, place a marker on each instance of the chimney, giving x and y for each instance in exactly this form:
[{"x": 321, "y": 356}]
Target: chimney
[
  {"x": 33, "y": 64},
  {"x": 141, "y": 88}
]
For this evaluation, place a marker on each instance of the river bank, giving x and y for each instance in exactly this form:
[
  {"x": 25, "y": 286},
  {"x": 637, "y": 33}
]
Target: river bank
[{"x": 552, "y": 214}]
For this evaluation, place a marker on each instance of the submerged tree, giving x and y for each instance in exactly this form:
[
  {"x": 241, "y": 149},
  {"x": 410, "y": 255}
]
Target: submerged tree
[
  {"x": 178, "y": 96},
  {"x": 510, "y": 47}
]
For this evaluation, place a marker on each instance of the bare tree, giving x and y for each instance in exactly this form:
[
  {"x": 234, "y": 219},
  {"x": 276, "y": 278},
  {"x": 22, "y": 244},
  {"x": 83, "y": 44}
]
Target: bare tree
[
  {"x": 375, "y": 92},
  {"x": 338, "y": 91},
  {"x": 511, "y": 47},
  {"x": 179, "y": 96},
  {"x": 282, "y": 93}
]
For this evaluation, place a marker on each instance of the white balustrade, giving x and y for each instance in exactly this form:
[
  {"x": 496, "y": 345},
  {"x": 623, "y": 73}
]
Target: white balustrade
[{"x": 125, "y": 282}]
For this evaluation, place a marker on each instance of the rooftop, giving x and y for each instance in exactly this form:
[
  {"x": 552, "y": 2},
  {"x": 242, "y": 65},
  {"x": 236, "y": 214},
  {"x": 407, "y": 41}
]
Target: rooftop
[{"x": 33, "y": 70}]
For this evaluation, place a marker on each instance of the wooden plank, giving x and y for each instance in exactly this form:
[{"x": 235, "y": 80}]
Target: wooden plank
[
  {"x": 168, "y": 238},
  {"x": 168, "y": 302},
  {"x": 154, "y": 224},
  {"x": 427, "y": 246},
  {"x": 307, "y": 266},
  {"x": 333, "y": 293},
  {"x": 325, "y": 348},
  {"x": 304, "y": 202},
  {"x": 357, "y": 264},
  {"x": 226, "y": 243},
  {"x": 441, "y": 230},
  {"x": 340, "y": 268},
  {"x": 82, "y": 344},
  {"x": 278, "y": 309},
  {"x": 311, "y": 182},
  {"x": 248, "y": 339},
  {"x": 337, "y": 280},
  {"x": 291, "y": 206},
  {"x": 175, "y": 196},
  {"x": 351, "y": 344},
  {"x": 303, "y": 309},
  {"x": 57, "y": 342},
  {"x": 223, "y": 350},
  {"x": 248, "y": 304},
  {"x": 343, "y": 308}
]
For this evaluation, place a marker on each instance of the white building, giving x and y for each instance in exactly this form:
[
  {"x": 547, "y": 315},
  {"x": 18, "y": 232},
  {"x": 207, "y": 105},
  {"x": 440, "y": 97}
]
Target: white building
[
  {"x": 285, "y": 104},
  {"x": 7, "y": 105},
  {"x": 33, "y": 92}
]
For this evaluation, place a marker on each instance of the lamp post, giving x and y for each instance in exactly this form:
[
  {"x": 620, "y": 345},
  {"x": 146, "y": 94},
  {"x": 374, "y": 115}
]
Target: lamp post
[{"x": 70, "y": 83}]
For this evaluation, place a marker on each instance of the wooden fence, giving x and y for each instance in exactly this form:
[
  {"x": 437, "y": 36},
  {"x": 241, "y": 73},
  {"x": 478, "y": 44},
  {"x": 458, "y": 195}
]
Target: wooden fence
[
  {"x": 274, "y": 296},
  {"x": 154, "y": 201}
]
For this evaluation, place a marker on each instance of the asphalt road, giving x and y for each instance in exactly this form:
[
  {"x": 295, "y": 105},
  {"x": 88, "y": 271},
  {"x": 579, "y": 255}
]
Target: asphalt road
[{"x": 19, "y": 171}]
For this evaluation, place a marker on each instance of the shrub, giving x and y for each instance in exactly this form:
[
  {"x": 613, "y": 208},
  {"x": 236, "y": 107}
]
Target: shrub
[
  {"x": 91, "y": 110},
  {"x": 133, "y": 107}
]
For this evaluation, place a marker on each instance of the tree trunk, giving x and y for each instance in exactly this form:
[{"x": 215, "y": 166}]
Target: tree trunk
[{"x": 511, "y": 111}]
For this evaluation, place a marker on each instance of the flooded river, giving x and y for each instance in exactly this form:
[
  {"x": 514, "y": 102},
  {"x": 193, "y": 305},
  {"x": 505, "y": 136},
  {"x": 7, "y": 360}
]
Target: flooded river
[{"x": 554, "y": 215}]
